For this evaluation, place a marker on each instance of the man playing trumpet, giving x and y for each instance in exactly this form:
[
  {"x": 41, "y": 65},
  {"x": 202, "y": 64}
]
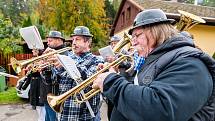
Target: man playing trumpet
[
  {"x": 49, "y": 83},
  {"x": 86, "y": 63}
]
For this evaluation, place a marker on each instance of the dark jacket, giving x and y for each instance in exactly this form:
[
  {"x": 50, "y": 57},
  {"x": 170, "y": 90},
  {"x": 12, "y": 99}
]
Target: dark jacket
[
  {"x": 35, "y": 89},
  {"x": 176, "y": 84},
  {"x": 49, "y": 81}
]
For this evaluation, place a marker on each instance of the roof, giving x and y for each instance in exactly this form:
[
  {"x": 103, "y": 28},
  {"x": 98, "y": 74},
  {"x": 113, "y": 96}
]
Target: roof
[{"x": 171, "y": 9}]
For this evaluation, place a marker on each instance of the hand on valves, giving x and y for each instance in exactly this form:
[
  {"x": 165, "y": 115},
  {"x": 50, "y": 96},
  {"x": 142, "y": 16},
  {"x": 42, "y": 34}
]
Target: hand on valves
[{"x": 98, "y": 82}]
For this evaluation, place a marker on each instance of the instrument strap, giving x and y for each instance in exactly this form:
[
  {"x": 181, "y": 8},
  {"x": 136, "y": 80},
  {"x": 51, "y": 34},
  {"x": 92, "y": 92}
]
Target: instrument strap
[{"x": 87, "y": 102}]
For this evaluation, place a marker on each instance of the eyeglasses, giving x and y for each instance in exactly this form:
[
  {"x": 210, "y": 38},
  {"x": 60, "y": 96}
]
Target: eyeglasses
[{"x": 135, "y": 36}]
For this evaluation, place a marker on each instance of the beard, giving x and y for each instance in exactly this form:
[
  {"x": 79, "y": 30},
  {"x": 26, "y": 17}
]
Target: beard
[
  {"x": 51, "y": 46},
  {"x": 140, "y": 50}
]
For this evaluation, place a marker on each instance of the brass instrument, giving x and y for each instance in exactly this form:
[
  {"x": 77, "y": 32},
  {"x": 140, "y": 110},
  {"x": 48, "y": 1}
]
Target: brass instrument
[
  {"x": 56, "y": 102},
  {"x": 125, "y": 41},
  {"x": 187, "y": 21},
  {"x": 18, "y": 65}
]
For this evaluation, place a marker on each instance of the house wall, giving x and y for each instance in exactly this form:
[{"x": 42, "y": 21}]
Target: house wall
[
  {"x": 126, "y": 17},
  {"x": 204, "y": 36}
]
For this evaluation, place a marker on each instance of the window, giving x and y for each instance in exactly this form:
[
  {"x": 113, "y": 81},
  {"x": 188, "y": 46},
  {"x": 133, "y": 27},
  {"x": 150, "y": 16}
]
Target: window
[
  {"x": 128, "y": 16},
  {"x": 123, "y": 18}
]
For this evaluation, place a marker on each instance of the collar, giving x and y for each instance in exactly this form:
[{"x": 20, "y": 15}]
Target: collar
[{"x": 84, "y": 54}]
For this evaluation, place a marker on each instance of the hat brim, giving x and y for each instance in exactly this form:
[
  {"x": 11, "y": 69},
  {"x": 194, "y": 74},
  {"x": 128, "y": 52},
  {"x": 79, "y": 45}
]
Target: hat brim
[
  {"x": 81, "y": 35},
  {"x": 114, "y": 41},
  {"x": 55, "y": 37},
  {"x": 152, "y": 22}
]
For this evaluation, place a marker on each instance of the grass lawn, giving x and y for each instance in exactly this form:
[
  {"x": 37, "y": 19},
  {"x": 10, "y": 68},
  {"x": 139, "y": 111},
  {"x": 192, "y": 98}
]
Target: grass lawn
[{"x": 9, "y": 97}]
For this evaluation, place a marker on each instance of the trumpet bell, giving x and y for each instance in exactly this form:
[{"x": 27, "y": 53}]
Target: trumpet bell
[
  {"x": 122, "y": 43},
  {"x": 54, "y": 103},
  {"x": 16, "y": 65},
  {"x": 187, "y": 21}
]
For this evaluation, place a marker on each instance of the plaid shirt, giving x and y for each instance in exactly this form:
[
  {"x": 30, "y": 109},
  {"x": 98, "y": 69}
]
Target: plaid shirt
[
  {"x": 138, "y": 61},
  {"x": 86, "y": 63}
]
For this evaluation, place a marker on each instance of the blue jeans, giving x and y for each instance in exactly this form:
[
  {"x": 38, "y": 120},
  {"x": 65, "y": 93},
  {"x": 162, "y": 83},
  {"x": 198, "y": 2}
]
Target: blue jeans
[
  {"x": 50, "y": 114},
  {"x": 97, "y": 118}
]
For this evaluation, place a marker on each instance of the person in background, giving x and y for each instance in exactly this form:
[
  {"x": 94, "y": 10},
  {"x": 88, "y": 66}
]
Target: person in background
[
  {"x": 113, "y": 41},
  {"x": 121, "y": 68},
  {"x": 50, "y": 82},
  {"x": 33, "y": 76},
  {"x": 175, "y": 83}
]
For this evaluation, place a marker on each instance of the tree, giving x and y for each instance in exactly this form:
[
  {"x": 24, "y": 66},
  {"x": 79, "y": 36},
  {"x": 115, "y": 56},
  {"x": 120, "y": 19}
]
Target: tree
[
  {"x": 16, "y": 10},
  {"x": 65, "y": 15},
  {"x": 9, "y": 37},
  {"x": 35, "y": 20},
  {"x": 110, "y": 12},
  {"x": 208, "y": 3},
  {"x": 116, "y": 4}
]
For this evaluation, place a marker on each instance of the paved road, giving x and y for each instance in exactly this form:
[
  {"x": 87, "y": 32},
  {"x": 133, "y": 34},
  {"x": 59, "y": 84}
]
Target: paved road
[{"x": 24, "y": 112}]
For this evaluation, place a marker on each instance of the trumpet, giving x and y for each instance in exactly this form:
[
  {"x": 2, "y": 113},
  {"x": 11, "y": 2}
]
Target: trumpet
[
  {"x": 56, "y": 102},
  {"x": 187, "y": 21},
  {"x": 18, "y": 65},
  {"x": 122, "y": 43}
]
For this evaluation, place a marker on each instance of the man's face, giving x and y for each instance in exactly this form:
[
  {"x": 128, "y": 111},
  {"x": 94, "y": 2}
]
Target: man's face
[
  {"x": 113, "y": 43},
  {"x": 35, "y": 52},
  {"x": 80, "y": 44},
  {"x": 54, "y": 42},
  {"x": 140, "y": 42}
]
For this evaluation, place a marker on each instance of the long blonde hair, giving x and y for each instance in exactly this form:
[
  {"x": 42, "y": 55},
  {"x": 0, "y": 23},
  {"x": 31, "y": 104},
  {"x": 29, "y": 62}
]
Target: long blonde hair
[{"x": 162, "y": 32}]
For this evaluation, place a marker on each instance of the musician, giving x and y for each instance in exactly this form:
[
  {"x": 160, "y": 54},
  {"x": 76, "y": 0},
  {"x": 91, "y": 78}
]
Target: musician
[
  {"x": 113, "y": 41},
  {"x": 123, "y": 66},
  {"x": 174, "y": 84},
  {"x": 49, "y": 82},
  {"x": 86, "y": 63},
  {"x": 33, "y": 78}
]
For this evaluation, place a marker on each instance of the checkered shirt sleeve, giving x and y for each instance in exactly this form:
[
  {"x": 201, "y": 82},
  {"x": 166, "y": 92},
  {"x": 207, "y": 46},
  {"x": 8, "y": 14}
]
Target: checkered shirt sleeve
[
  {"x": 79, "y": 112},
  {"x": 138, "y": 61}
]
